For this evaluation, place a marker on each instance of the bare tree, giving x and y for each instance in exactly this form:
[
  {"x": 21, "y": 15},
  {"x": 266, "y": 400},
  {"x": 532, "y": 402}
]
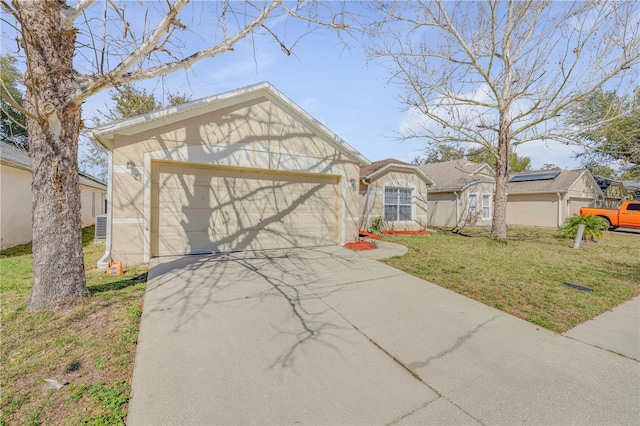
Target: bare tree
[
  {"x": 72, "y": 52},
  {"x": 499, "y": 74}
]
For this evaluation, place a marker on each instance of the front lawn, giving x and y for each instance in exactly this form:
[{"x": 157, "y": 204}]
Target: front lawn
[
  {"x": 90, "y": 346},
  {"x": 524, "y": 277}
]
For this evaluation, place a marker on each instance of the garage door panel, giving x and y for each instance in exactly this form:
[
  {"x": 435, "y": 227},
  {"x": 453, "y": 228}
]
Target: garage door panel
[{"x": 206, "y": 209}]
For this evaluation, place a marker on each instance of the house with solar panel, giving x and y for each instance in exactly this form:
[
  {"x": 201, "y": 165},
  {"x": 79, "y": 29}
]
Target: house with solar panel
[{"x": 547, "y": 198}]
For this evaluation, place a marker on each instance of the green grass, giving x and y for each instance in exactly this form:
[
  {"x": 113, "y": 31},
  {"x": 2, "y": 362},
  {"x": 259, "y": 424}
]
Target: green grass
[
  {"x": 524, "y": 276},
  {"x": 90, "y": 345}
]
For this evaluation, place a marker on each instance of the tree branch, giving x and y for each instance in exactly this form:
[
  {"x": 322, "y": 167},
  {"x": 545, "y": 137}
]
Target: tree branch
[
  {"x": 71, "y": 14},
  {"x": 120, "y": 75}
]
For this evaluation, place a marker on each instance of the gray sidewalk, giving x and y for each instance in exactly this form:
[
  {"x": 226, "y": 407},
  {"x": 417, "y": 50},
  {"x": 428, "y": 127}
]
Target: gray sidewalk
[{"x": 617, "y": 330}]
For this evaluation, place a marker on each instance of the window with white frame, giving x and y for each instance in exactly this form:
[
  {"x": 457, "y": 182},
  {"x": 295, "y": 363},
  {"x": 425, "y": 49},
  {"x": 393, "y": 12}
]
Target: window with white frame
[
  {"x": 472, "y": 205},
  {"x": 486, "y": 206},
  {"x": 398, "y": 203}
]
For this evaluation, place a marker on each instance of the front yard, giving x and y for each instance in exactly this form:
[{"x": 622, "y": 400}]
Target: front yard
[
  {"x": 90, "y": 346},
  {"x": 524, "y": 277}
]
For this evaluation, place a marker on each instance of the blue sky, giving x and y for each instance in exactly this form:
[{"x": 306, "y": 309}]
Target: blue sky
[{"x": 333, "y": 83}]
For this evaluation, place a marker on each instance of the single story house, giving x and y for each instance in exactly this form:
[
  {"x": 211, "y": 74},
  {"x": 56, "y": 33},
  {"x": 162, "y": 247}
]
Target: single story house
[
  {"x": 614, "y": 193},
  {"x": 15, "y": 201},
  {"x": 396, "y": 191},
  {"x": 243, "y": 170},
  {"x": 461, "y": 195},
  {"x": 548, "y": 197}
]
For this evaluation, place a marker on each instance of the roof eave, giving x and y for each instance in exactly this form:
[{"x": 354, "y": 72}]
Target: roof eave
[{"x": 403, "y": 167}]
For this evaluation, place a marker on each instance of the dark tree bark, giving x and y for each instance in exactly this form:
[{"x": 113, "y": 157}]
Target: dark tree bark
[{"x": 58, "y": 263}]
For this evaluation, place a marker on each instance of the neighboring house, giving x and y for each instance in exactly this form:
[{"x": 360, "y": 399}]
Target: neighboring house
[
  {"x": 396, "y": 191},
  {"x": 15, "y": 201},
  {"x": 547, "y": 198},
  {"x": 633, "y": 188},
  {"x": 614, "y": 193},
  {"x": 462, "y": 193},
  {"x": 243, "y": 170}
]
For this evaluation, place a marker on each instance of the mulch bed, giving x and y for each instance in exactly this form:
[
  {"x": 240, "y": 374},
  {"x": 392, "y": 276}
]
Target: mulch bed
[{"x": 360, "y": 245}]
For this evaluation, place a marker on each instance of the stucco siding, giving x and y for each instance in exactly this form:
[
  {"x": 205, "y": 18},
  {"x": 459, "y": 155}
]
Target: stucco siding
[
  {"x": 443, "y": 207},
  {"x": 402, "y": 180},
  {"x": 252, "y": 136},
  {"x": 91, "y": 204},
  {"x": 16, "y": 206},
  {"x": 533, "y": 210}
]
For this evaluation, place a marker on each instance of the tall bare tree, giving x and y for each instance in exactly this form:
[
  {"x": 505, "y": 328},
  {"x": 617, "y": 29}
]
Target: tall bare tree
[
  {"x": 498, "y": 73},
  {"x": 73, "y": 51}
]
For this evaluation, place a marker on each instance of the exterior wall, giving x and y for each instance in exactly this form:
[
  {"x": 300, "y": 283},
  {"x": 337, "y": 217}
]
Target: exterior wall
[
  {"x": 533, "y": 210},
  {"x": 442, "y": 207},
  {"x": 257, "y": 134},
  {"x": 92, "y": 204},
  {"x": 584, "y": 193},
  {"x": 614, "y": 196},
  {"x": 15, "y": 216},
  {"x": 397, "y": 179}
]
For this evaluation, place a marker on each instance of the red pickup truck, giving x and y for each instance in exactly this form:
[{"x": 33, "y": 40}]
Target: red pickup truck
[{"x": 627, "y": 216}]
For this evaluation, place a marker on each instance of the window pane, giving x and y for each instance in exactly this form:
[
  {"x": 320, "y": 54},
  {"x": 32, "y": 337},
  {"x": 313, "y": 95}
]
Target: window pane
[
  {"x": 390, "y": 195},
  {"x": 633, "y": 207},
  {"x": 390, "y": 213},
  {"x": 405, "y": 213},
  {"x": 486, "y": 206},
  {"x": 473, "y": 204},
  {"x": 405, "y": 196}
]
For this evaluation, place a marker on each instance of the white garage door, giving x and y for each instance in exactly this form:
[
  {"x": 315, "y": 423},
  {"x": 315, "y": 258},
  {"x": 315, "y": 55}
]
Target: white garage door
[{"x": 197, "y": 209}]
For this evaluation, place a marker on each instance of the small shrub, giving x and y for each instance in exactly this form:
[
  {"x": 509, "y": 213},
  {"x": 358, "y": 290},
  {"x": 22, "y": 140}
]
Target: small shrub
[
  {"x": 594, "y": 227},
  {"x": 377, "y": 225}
]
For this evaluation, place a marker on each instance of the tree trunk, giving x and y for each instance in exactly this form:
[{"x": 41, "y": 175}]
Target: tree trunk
[
  {"x": 58, "y": 265},
  {"x": 499, "y": 222}
]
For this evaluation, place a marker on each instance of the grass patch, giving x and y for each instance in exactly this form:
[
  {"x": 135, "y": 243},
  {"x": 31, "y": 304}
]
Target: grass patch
[
  {"x": 524, "y": 276},
  {"x": 90, "y": 347}
]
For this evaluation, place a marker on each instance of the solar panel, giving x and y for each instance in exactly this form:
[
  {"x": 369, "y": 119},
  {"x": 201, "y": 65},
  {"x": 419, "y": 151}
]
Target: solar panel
[{"x": 528, "y": 177}]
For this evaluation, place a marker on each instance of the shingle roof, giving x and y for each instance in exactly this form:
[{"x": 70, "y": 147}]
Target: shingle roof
[
  {"x": 377, "y": 165},
  {"x": 561, "y": 183},
  {"x": 453, "y": 175},
  {"x": 11, "y": 154}
]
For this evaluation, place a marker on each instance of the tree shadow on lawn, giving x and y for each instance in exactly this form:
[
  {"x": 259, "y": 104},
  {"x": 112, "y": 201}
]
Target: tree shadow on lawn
[{"x": 119, "y": 285}]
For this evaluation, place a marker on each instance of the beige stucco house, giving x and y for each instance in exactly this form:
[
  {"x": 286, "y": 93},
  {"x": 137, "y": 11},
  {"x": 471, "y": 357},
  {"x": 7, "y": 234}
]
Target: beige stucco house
[
  {"x": 461, "y": 194},
  {"x": 396, "y": 191},
  {"x": 243, "y": 170},
  {"x": 547, "y": 198},
  {"x": 15, "y": 198}
]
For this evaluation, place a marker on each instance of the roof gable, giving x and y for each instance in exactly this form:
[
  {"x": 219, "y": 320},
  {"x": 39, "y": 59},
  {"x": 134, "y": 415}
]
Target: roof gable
[
  {"x": 104, "y": 134},
  {"x": 377, "y": 168}
]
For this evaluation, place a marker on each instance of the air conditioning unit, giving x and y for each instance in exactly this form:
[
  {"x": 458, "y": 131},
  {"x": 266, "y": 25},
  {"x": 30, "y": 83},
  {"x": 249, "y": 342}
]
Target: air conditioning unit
[{"x": 101, "y": 227}]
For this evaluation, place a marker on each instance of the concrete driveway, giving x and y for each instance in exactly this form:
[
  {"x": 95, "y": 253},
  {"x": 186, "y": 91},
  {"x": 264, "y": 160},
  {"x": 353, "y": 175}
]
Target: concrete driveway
[{"x": 327, "y": 336}]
